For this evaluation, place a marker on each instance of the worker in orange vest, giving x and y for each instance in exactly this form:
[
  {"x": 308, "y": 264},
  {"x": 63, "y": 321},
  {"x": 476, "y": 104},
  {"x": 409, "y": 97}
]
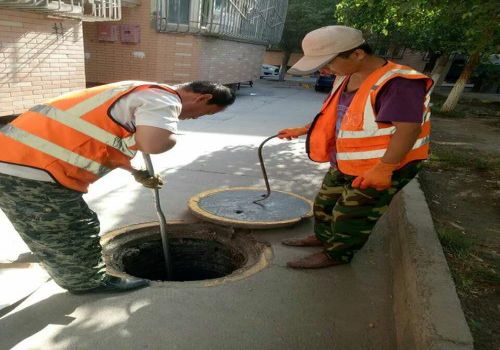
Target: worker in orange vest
[
  {"x": 52, "y": 152},
  {"x": 373, "y": 128}
]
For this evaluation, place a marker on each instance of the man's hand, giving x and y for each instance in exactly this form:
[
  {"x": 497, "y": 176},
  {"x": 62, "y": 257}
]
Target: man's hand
[
  {"x": 379, "y": 177},
  {"x": 143, "y": 177},
  {"x": 292, "y": 133}
]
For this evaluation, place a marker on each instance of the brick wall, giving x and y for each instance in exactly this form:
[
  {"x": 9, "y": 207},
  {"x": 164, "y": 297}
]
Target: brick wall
[
  {"x": 167, "y": 57},
  {"x": 412, "y": 59},
  {"x": 113, "y": 61},
  {"x": 35, "y": 62},
  {"x": 175, "y": 58},
  {"x": 275, "y": 58},
  {"x": 229, "y": 61}
]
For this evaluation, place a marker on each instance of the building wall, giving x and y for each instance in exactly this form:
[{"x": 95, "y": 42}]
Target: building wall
[
  {"x": 36, "y": 63},
  {"x": 275, "y": 58},
  {"x": 167, "y": 57},
  {"x": 176, "y": 59},
  {"x": 229, "y": 61},
  {"x": 113, "y": 61},
  {"x": 413, "y": 59}
]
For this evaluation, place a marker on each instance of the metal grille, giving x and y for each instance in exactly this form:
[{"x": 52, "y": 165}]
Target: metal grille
[
  {"x": 86, "y": 10},
  {"x": 258, "y": 21}
]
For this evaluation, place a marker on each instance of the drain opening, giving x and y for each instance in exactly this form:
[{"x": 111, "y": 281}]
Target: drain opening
[
  {"x": 192, "y": 259},
  {"x": 199, "y": 252}
]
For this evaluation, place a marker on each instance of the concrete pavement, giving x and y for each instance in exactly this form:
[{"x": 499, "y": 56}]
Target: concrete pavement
[{"x": 347, "y": 307}]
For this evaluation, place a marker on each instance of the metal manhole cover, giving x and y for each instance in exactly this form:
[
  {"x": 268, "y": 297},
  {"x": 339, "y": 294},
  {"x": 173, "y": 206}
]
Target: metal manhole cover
[{"x": 235, "y": 206}]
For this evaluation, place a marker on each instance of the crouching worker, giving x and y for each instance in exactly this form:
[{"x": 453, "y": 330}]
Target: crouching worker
[
  {"x": 373, "y": 129},
  {"x": 51, "y": 153}
]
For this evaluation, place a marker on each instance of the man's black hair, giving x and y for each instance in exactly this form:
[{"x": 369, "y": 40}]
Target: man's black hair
[
  {"x": 364, "y": 46},
  {"x": 221, "y": 95}
]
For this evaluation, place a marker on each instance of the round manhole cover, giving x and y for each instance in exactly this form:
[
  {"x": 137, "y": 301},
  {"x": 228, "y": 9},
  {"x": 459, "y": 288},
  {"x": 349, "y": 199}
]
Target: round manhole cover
[
  {"x": 198, "y": 252},
  {"x": 235, "y": 207}
]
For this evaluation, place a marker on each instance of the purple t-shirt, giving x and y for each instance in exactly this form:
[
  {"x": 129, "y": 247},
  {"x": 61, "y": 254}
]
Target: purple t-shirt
[{"x": 400, "y": 100}]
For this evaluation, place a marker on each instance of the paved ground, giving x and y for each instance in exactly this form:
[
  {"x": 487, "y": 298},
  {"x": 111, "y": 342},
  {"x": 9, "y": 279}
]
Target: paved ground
[{"x": 346, "y": 307}]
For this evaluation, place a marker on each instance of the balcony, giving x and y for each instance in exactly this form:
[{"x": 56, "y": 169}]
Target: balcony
[
  {"x": 255, "y": 21},
  {"x": 85, "y": 10}
]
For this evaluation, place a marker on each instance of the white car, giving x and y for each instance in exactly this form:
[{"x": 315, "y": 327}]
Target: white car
[{"x": 268, "y": 70}]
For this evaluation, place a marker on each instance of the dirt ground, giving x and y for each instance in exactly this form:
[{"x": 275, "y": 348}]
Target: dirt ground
[{"x": 462, "y": 186}]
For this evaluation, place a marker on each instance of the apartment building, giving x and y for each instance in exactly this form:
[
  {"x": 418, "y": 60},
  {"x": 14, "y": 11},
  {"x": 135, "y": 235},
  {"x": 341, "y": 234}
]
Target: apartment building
[
  {"x": 49, "y": 47},
  {"x": 181, "y": 40}
]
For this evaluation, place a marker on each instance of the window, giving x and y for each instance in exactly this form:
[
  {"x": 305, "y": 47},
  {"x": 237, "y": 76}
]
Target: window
[
  {"x": 259, "y": 21},
  {"x": 178, "y": 11}
]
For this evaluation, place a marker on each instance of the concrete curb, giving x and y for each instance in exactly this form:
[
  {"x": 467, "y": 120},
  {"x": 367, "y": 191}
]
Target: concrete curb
[{"x": 427, "y": 311}]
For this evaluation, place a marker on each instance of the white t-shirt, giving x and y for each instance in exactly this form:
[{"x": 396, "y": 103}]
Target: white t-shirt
[{"x": 151, "y": 107}]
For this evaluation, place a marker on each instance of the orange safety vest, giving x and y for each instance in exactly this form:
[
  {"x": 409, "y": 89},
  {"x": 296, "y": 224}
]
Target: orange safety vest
[
  {"x": 73, "y": 137},
  {"x": 361, "y": 141}
]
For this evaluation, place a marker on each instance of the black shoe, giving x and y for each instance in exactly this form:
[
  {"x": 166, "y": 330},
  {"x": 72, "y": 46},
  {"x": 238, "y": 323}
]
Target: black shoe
[
  {"x": 28, "y": 257},
  {"x": 112, "y": 284}
]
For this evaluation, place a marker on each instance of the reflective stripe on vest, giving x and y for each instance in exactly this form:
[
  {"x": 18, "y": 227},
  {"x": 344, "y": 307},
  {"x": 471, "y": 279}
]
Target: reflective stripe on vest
[
  {"x": 71, "y": 118},
  {"x": 377, "y": 153},
  {"x": 54, "y": 150}
]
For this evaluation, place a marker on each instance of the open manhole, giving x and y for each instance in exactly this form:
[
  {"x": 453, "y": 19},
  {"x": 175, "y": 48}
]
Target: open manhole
[{"x": 198, "y": 252}]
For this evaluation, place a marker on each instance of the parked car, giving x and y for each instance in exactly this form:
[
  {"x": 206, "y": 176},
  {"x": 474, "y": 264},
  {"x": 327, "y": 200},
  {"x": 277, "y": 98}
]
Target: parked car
[
  {"x": 324, "y": 83},
  {"x": 268, "y": 70}
]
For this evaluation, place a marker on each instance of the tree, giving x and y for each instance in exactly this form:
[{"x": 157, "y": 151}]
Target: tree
[
  {"x": 445, "y": 26},
  {"x": 302, "y": 17},
  {"x": 480, "y": 21}
]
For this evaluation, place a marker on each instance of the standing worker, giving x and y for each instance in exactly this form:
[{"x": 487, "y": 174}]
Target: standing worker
[
  {"x": 373, "y": 129},
  {"x": 51, "y": 153}
]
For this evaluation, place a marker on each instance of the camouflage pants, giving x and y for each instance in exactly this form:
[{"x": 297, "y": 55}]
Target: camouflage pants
[
  {"x": 345, "y": 216},
  {"x": 58, "y": 227}
]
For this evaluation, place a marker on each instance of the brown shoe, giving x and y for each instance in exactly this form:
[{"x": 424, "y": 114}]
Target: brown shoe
[
  {"x": 309, "y": 241},
  {"x": 314, "y": 261}
]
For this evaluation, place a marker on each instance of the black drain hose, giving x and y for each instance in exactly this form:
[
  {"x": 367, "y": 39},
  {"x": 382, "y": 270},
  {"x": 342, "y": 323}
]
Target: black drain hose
[
  {"x": 161, "y": 217},
  {"x": 264, "y": 173}
]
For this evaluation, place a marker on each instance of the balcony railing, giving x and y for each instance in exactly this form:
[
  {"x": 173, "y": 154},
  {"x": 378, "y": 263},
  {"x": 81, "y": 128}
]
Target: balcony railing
[
  {"x": 258, "y": 21},
  {"x": 85, "y": 10}
]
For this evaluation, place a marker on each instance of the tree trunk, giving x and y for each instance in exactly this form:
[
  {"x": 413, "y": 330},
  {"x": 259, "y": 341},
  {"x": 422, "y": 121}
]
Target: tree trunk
[
  {"x": 458, "y": 88},
  {"x": 284, "y": 64},
  {"x": 437, "y": 72}
]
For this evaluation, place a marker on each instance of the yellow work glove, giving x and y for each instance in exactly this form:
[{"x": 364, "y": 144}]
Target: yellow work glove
[
  {"x": 292, "y": 133},
  {"x": 379, "y": 177},
  {"x": 143, "y": 177}
]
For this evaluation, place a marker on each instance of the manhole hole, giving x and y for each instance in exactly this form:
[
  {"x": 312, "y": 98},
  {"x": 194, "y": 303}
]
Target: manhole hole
[{"x": 199, "y": 252}]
